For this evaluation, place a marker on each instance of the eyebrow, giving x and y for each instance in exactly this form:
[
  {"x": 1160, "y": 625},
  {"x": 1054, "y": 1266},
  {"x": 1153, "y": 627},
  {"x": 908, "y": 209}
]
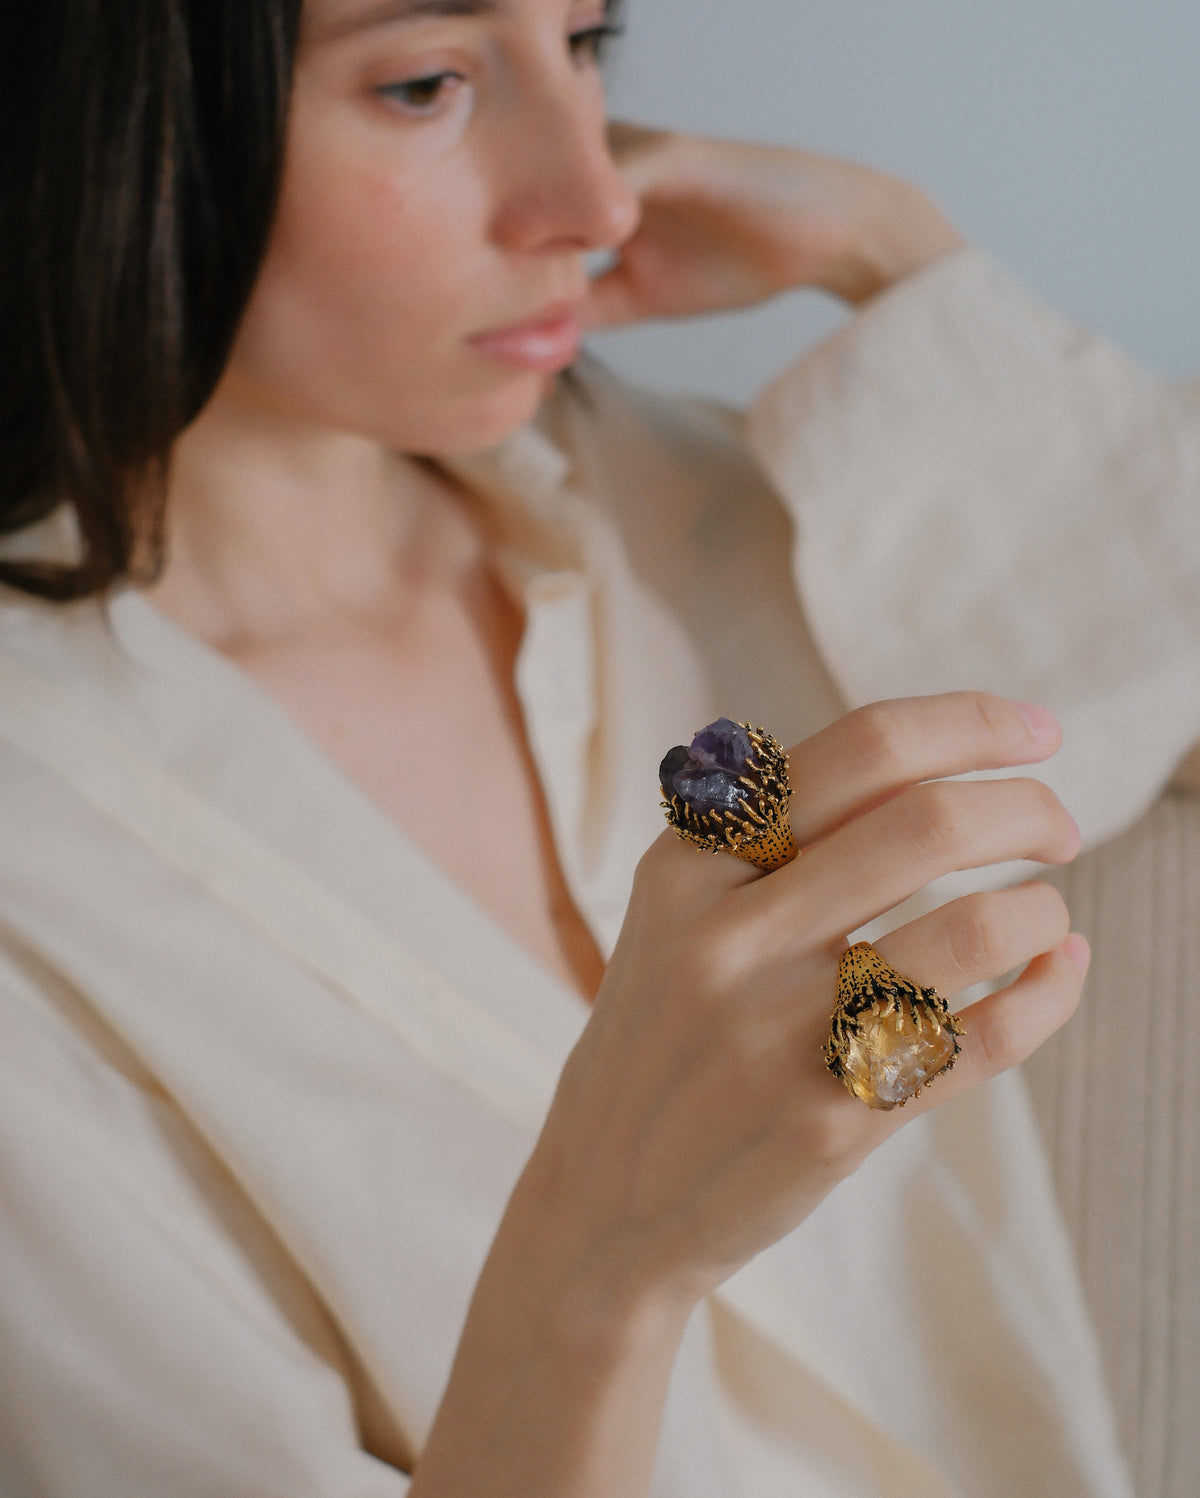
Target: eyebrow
[{"x": 392, "y": 11}]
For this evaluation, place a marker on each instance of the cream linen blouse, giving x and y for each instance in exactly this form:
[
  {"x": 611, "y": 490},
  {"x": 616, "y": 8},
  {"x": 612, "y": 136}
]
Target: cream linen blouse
[{"x": 268, "y": 1077}]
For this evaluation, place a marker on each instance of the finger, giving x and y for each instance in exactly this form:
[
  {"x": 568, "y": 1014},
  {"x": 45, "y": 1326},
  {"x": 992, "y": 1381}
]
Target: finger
[
  {"x": 1009, "y": 1025},
  {"x": 626, "y": 137},
  {"x": 876, "y": 750},
  {"x": 872, "y": 863},
  {"x": 610, "y": 301},
  {"x": 978, "y": 937},
  {"x": 639, "y": 151}
]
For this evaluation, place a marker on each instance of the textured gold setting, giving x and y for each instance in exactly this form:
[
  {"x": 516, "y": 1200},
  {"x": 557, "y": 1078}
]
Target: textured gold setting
[
  {"x": 888, "y": 1037},
  {"x": 758, "y": 831}
]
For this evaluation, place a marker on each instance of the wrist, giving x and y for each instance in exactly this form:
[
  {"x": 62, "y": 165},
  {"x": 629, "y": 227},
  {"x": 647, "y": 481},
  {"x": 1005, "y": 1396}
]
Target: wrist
[
  {"x": 902, "y": 230},
  {"x": 602, "y": 1283},
  {"x": 561, "y": 1373}
]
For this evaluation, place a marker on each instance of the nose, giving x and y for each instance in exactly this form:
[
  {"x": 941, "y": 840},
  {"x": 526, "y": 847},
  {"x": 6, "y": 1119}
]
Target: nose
[{"x": 563, "y": 187}]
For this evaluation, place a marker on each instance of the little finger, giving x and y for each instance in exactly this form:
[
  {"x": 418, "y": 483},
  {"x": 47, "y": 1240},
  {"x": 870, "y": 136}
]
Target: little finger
[{"x": 1005, "y": 1028}]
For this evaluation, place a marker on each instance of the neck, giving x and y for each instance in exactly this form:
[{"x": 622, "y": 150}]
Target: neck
[{"x": 278, "y": 529}]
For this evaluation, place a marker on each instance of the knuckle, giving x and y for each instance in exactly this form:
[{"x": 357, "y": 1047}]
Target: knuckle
[
  {"x": 643, "y": 876},
  {"x": 976, "y": 944},
  {"x": 1049, "y": 816},
  {"x": 826, "y": 1136},
  {"x": 996, "y": 1043},
  {"x": 995, "y": 714},
  {"x": 651, "y": 872},
  {"x": 940, "y": 825},
  {"x": 1057, "y": 911},
  {"x": 1047, "y": 803},
  {"x": 881, "y": 739},
  {"x": 709, "y": 966},
  {"x": 1046, "y": 908},
  {"x": 1050, "y": 805}
]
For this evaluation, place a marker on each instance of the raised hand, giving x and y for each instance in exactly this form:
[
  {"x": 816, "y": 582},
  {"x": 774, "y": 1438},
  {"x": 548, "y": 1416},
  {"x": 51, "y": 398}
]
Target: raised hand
[
  {"x": 695, "y": 1122},
  {"x": 726, "y": 224}
]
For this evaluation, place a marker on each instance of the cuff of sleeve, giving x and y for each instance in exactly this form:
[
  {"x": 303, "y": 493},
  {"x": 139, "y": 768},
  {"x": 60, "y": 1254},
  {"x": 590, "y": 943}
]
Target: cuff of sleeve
[{"x": 987, "y": 496}]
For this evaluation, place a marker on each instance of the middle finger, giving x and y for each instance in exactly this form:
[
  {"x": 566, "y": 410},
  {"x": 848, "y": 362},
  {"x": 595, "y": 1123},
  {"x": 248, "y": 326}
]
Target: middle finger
[{"x": 875, "y": 751}]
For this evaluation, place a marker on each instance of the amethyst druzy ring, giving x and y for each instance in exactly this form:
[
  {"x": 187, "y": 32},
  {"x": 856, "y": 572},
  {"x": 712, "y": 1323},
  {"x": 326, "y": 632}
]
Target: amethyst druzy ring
[{"x": 728, "y": 792}]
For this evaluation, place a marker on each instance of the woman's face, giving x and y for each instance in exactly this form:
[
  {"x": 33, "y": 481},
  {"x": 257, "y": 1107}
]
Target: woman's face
[{"x": 446, "y": 174}]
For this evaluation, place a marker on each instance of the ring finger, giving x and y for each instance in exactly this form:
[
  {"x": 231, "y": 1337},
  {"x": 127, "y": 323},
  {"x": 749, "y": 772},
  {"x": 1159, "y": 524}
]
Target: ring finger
[
  {"x": 872, "y": 863},
  {"x": 978, "y": 937}
]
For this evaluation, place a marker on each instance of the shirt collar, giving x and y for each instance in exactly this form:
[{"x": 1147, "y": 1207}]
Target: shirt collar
[{"x": 527, "y": 473}]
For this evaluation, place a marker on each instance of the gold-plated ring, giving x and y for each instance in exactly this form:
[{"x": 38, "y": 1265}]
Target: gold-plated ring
[
  {"x": 728, "y": 792},
  {"x": 888, "y": 1037}
]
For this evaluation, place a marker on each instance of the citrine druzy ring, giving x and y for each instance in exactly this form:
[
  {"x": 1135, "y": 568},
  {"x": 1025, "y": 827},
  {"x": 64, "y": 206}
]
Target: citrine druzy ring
[
  {"x": 728, "y": 792},
  {"x": 889, "y": 1037}
]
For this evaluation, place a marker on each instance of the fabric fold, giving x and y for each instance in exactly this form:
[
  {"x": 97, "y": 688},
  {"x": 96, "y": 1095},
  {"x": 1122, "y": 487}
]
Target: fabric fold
[{"x": 934, "y": 554}]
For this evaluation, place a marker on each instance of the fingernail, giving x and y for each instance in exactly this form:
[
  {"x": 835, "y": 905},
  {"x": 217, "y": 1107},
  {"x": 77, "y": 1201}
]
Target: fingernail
[
  {"x": 1042, "y": 724},
  {"x": 1076, "y": 948}
]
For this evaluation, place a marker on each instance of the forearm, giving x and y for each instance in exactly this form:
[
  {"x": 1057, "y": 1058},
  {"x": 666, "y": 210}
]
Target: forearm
[{"x": 561, "y": 1374}]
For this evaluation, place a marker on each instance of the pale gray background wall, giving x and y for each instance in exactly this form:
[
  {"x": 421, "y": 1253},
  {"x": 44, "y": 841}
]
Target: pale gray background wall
[{"x": 1062, "y": 135}]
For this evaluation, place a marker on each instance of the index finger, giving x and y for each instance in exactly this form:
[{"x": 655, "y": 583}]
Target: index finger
[{"x": 875, "y": 751}]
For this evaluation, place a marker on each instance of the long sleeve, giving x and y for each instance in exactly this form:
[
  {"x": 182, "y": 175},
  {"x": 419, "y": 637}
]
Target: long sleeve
[{"x": 986, "y": 495}]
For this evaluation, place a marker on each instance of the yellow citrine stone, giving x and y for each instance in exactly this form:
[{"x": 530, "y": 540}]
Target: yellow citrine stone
[{"x": 888, "y": 1037}]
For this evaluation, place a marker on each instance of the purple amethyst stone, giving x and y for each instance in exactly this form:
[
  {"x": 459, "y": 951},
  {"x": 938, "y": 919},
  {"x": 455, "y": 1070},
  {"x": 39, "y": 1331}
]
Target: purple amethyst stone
[{"x": 708, "y": 774}]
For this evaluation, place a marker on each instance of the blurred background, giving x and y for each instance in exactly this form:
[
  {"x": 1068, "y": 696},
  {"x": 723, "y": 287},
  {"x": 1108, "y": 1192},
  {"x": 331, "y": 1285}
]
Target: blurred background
[{"x": 1062, "y": 136}]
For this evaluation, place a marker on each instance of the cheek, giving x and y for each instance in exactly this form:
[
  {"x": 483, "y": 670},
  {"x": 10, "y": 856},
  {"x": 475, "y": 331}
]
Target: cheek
[
  {"x": 371, "y": 247},
  {"x": 370, "y": 285}
]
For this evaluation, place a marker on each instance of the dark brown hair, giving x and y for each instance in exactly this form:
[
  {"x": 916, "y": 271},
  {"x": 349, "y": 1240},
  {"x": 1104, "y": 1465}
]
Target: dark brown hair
[{"x": 141, "y": 146}]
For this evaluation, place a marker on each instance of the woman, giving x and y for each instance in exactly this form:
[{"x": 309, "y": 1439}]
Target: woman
[{"x": 321, "y": 835}]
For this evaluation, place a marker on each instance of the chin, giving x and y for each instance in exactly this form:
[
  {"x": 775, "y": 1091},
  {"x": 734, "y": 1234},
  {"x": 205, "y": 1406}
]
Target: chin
[{"x": 484, "y": 423}]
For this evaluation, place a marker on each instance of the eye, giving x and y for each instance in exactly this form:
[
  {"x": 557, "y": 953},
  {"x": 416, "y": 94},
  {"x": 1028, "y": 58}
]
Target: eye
[
  {"x": 421, "y": 95},
  {"x": 591, "y": 44}
]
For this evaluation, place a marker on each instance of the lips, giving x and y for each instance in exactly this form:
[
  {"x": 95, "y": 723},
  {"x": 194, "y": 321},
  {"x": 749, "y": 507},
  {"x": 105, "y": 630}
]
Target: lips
[{"x": 545, "y": 343}]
